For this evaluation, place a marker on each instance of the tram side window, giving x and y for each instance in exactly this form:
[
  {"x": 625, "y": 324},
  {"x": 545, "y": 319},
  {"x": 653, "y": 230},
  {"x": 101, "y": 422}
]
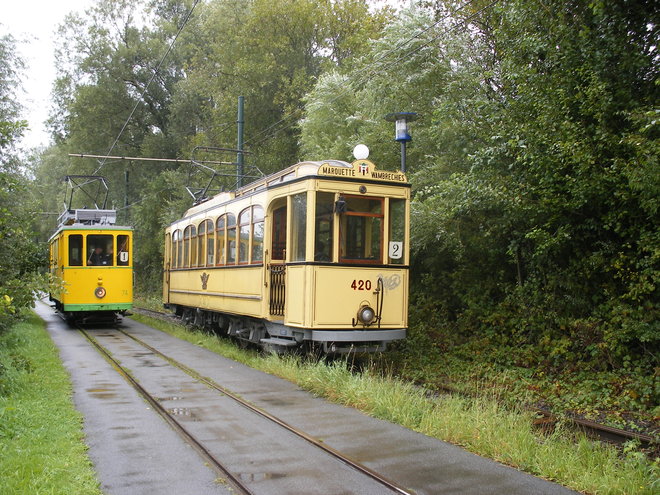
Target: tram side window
[
  {"x": 361, "y": 230},
  {"x": 220, "y": 238},
  {"x": 231, "y": 239},
  {"x": 177, "y": 249},
  {"x": 187, "y": 234},
  {"x": 75, "y": 250},
  {"x": 99, "y": 250},
  {"x": 257, "y": 234},
  {"x": 210, "y": 244},
  {"x": 397, "y": 231},
  {"x": 298, "y": 226},
  {"x": 244, "y": 235},
  {"x": 201, "y": 242},
  {"x": 54, "y": 253},
  {"x": 123, "y": 245},
  {"x": 193, "y": 245},
  {"x": 323, "y": 226}
]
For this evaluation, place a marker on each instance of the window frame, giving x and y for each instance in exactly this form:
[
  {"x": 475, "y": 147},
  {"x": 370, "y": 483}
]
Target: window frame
[
  {"x": 177, "y": 249},
  {"x": 363, "y": 214},
  {"x": 244, "y": 225}
]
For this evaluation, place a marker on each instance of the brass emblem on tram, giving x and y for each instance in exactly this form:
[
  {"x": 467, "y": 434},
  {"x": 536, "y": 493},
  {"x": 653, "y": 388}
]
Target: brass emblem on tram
[{"x": 205, "y": 279}]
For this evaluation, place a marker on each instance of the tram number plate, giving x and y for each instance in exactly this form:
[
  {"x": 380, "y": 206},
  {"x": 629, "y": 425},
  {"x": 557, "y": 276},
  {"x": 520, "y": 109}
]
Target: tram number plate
[
  {"x": 361, "y": 285},
  {"x": 396, "y": 250}
]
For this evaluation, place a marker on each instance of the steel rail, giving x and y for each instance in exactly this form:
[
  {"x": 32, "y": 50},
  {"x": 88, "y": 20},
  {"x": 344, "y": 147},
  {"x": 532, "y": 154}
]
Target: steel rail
[
  {"x": 234, "y": 482},
  {"x": 335, "y": 453},
  {"x": 604, "y": 432}
]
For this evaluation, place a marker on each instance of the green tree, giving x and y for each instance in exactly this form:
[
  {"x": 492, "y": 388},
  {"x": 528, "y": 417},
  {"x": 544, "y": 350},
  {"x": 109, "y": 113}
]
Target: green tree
[
  {"x": 20, "y": 256},
  {"x": 534, "y": 166},
  {"x": 270, "y": 52}
]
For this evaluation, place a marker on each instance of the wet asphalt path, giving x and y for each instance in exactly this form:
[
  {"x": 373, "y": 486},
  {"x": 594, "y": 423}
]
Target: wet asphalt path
[{"x": 136, "y": 452}]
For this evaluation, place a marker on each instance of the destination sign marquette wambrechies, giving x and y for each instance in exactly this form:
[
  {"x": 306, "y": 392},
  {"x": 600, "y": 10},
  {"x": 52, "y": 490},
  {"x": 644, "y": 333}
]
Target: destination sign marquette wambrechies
[{"x": 362, "y": 169}]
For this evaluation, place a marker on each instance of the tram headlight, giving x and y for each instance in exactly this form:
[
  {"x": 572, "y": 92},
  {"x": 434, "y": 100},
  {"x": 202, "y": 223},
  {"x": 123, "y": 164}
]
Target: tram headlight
[
  {"x": 99, "y": 292},
  {"x": 366, "y": 315}
]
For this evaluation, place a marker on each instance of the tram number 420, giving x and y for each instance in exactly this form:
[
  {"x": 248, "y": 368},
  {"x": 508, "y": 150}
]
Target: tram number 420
[{"x": 361, "y": 285}]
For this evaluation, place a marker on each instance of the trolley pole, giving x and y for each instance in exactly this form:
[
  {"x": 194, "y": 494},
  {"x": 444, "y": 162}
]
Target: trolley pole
[{"x": 239, "y": 145}]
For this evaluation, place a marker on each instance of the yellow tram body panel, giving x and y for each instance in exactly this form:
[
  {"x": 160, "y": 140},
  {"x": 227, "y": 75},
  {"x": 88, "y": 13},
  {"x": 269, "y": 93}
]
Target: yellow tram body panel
[
  {"x": 82, "y": 284},
  {"x": 265, "y": 263}
]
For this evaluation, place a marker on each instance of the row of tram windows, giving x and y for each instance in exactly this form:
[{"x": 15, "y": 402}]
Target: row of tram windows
[
  {"x": 223, "y": 242},
  {"x": 94, "y": 250},
  {"x": 227, "y": 241}
]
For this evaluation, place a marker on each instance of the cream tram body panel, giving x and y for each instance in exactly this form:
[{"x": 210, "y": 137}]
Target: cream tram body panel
[
  {"x": 315, "y": 296},
  {"x": 348, "y": 288},
  {"x": 228, "y": 290}
]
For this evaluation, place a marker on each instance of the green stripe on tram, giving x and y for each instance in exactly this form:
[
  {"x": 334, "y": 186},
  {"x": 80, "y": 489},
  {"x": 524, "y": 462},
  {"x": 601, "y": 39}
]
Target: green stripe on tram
[{"x": 98, "y": 307}]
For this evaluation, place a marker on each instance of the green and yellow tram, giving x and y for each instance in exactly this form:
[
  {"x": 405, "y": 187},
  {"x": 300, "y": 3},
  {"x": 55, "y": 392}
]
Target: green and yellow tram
[{"x": 91, "y": 263}]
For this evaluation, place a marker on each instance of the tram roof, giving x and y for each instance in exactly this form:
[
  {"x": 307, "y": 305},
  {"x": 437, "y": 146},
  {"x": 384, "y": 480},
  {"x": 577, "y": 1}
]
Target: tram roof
[
  {"x": 297, "y": 171},
  {"x": 301, "y": 169}
]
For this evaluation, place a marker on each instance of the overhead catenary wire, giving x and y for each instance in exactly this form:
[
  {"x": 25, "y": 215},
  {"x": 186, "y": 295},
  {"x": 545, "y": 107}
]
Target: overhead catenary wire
[
  {"x": 153, "y": 76},
  {"x": 372, "y": 72}
]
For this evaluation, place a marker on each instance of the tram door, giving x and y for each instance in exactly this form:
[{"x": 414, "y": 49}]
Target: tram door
[{"x": 277, "y": 268}]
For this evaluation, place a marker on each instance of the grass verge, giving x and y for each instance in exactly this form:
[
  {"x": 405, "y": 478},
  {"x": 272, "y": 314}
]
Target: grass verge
[
  {"x": 482, "y": 425},
  {"x": 41, "y": 439}
]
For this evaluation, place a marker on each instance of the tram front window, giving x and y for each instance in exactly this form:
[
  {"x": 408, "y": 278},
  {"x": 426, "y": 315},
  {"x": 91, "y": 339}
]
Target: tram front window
[
  {"x": 361, "y": 230},
  {"x": 99, "y": 250}
]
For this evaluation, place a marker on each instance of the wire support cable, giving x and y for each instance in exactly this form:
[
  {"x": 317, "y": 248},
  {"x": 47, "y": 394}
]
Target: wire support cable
[{"x": 153, "y": 76}]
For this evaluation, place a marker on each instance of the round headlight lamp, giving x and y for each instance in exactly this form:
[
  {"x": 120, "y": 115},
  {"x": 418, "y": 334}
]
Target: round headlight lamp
[
  {"x": 99, "y": 292},
  {"x": 366, "y": 315}
]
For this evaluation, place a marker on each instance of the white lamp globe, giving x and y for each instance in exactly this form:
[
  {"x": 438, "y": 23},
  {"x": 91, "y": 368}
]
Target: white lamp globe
[{"x": 361, "y": 152}]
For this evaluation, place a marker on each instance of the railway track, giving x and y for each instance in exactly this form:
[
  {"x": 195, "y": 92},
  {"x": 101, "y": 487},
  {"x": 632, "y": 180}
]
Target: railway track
[
  {"x": 237, "y": 484},
  {"x": 545, "y": 420}
]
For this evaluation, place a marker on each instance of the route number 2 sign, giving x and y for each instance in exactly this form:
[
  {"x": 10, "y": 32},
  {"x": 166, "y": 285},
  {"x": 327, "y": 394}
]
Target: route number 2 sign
[{"x": 396, "y": 250}]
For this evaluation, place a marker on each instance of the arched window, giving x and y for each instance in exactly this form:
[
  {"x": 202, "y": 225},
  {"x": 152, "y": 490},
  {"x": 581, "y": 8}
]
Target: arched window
[
  {"x": 188, "y": 235},
  {"x": 244, "y": 235},
  {"x": 201, "y": 238},
  {"x": 231, "y": 239},
  {"x": 257, "y": 234},
  {"x": 194, "y": 240},
  {"x": 210, "y": 244},
  {"x": 204, "y": 248},
  {"x": 177, "y": 250},
  {"x": 220, "y": 236}
]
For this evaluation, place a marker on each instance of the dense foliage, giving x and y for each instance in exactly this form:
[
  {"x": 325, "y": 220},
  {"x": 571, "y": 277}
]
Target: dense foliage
[
  {"x": 534, "y": 162},
  {"x": 20, "y": 256},
  {"x": 533, "y": 227}
]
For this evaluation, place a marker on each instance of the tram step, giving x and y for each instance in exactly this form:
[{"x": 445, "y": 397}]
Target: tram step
[{"x": 284, "y": 342}]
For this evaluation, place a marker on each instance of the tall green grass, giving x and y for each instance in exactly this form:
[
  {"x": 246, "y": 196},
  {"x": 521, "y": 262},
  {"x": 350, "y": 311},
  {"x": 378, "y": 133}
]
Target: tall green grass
[
  {"x": 41, "y": 440},
  {"x": 481, "y": 425}
]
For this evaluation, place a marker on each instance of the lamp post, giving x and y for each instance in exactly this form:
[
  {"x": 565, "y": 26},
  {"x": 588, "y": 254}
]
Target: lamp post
[{"x": 401, "y": 120}]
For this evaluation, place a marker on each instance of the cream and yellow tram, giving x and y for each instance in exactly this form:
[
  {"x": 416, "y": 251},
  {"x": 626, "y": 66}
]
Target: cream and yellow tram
[{"x": 316, "y": 254}]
